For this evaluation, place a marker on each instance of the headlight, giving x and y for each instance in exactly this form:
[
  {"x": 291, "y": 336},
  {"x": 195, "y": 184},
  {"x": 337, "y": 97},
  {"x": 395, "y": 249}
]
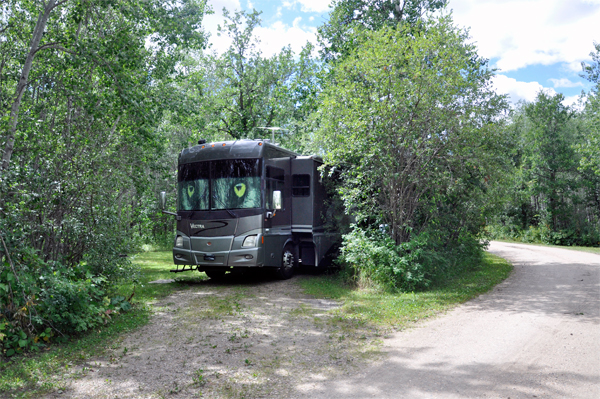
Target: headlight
[
  {"x": 179, "y": 242},
  {"x": 249, "y": 241}
]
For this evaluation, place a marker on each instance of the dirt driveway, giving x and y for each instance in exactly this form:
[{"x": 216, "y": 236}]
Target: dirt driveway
[
  {"x": 535, "y": 335},
  {"x": 229, "y": 339}
]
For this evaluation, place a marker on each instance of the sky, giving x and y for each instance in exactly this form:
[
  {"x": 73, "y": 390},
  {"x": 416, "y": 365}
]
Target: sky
[{"x": 534, "y": 44}]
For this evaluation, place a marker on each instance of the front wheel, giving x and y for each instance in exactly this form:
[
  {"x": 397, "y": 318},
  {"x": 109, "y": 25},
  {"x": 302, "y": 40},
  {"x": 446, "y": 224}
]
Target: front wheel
[
  {"x": 286, "y": 270},
  {"x": 215, "y": 274}
]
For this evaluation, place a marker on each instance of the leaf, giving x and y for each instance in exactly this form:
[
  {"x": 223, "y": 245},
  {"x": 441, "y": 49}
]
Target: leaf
[
  {"x": 22, "y": 343},
  {"x": 10, "y": 352}
]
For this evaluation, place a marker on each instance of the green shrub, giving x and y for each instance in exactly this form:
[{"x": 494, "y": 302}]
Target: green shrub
[
  {"x": 42, "y": 300},
  {"x": 372, "y": 258},
  {"x": 106, "y": 256},
  {"x": 71, "y": 305}
]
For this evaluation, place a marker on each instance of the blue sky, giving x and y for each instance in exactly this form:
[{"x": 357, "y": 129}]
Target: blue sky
[{"x": 534, "y": 44}]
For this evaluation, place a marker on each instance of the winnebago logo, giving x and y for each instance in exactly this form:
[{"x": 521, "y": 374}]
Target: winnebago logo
[{"x": 196, "y": 226}]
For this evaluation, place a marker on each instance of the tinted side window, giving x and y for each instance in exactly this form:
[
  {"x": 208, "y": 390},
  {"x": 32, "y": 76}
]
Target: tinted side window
[{"x": 300, "y": 185}]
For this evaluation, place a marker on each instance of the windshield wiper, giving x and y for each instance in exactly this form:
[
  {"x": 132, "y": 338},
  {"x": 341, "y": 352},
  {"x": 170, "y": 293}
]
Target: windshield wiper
[{"x": 224, "y": 207}]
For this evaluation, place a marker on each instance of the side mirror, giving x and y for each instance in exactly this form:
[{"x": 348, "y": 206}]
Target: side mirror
[
  {"x": 162, "y": 200},
  {"x": 162, "y": 204},
  {"x": 277, "y": 199}
]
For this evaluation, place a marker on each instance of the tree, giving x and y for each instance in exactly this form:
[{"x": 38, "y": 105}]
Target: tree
[
  {"x": 552, "y": 198},
  {"x": 87, "y": 91},
  {"x": 66, "y": 29},
  {"x": 410, "y": 119},
  {"x": 590, "y": 147},
  {"x": 80, "y": 108},
  {"x": 248, "y": 92},
  {"x": 337, "y": 36},
  {"x": 549, "y": 157}
]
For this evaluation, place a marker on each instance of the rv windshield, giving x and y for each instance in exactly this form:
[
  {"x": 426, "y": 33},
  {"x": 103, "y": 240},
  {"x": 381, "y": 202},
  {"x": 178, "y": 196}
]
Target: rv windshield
[{"x": 223, "y": 184}]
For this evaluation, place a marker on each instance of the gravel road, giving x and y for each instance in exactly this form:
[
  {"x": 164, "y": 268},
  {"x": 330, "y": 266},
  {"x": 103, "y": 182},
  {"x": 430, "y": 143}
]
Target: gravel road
[{"x": 535, "y": 335}]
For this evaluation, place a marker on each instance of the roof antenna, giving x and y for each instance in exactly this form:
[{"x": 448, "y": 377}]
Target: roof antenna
[
  {"x": 272, "y": 129},
  {"x": 202, "y": 141}
]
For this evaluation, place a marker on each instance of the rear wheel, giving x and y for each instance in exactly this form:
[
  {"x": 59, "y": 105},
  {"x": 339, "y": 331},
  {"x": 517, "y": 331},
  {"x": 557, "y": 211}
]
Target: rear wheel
[{"x": 288, "y": 261}]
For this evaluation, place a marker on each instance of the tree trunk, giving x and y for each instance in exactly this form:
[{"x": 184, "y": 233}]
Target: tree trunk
[{"x": 38, "y": 32}]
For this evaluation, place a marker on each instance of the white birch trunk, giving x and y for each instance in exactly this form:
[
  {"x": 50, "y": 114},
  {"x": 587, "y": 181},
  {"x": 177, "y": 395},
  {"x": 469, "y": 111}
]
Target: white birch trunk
[{"x": 38, "y": 32}]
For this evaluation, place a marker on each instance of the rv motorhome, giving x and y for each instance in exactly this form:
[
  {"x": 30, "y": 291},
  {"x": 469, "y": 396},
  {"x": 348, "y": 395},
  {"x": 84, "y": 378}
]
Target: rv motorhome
[{"x": 248, "y": 204}]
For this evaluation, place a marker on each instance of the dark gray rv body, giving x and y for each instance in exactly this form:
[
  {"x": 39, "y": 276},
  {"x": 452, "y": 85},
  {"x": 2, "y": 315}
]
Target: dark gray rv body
[{"x": 226, "y": 216}]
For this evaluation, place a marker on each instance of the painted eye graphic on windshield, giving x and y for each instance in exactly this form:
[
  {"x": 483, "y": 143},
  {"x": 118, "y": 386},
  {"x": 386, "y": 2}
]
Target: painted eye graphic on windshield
[
  {"x": 239, "y": 189},
  {"x": 190, "y": 190}
]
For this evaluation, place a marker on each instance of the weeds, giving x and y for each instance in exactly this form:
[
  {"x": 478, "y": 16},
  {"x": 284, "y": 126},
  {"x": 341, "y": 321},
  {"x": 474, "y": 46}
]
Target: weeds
[
  {"x": 198, "y": 378},
  {"x": 398, "y": 309}
]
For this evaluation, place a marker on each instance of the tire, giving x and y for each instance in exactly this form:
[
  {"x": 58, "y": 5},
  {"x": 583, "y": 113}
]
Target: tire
[
  {"x": 288, "y": 263},
  {"x": 215, "y": 274}
]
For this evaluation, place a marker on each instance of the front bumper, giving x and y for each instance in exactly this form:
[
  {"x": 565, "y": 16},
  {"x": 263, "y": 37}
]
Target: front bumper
[{"x": 245, "y": 257}]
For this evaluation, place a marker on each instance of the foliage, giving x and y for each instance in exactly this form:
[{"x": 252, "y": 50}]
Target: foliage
[
  {"x": 553, "y": 193},
  {"x": 410, "y": 121},
  {"x": 80, "y": 102},
  {"x": 247, "y": 94},
  {"x": 548, "y": 157},
  {"x": 338, "y": 35},
  {"x": 375, "y": 259},
  {"x": 41, "y": 300},
  {"x": 589, "y": 147}
]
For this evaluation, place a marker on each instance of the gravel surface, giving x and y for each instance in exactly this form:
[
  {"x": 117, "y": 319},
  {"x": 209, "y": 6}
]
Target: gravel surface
[
  {"x": 230, "y": 339},
  {"x": 537, "y": 334}
]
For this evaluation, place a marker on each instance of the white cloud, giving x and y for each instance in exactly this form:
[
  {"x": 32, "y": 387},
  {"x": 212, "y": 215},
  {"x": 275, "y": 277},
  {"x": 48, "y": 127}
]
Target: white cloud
[
  {"x": 309, "y": 5},
  {"x": 528, "y": 32},
  {"x": 272, "y": 38},
  {"x": 518, "y": 91},
  {"x": 574, "y": 66},
  {"x": 573, "y": 101},
  {"x": 211, "y": 22},
  {"x": 278, "y": 35},
  {"x": 526, "y": 91},
  {"x": 564, "y": 82}
]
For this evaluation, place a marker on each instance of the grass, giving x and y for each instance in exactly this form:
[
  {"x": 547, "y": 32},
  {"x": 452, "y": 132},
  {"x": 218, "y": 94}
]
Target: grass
[
  {"x": 31, "y": 375},
  {"x": 593, "y": 250},
  {"x": 398, "y": 310}
]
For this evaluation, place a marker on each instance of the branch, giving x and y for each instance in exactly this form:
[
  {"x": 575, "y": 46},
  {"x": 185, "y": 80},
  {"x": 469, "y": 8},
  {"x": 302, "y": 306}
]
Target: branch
[
  {"x": 54, "y": 46},
  {"x": 5, "y": 28},
  {"x": 60, "y": 3}
]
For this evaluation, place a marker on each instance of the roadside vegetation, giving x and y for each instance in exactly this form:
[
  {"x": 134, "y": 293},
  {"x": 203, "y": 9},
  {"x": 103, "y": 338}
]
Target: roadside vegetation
[
  {"x": 43, "y": 370},
  {"x": 552, "y": 194},
  {"x": 394, "y": 310}
]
